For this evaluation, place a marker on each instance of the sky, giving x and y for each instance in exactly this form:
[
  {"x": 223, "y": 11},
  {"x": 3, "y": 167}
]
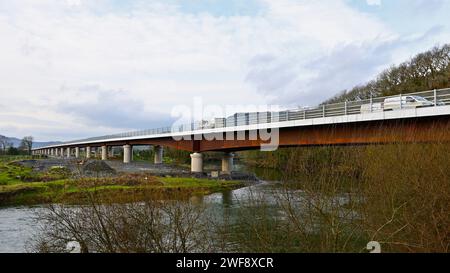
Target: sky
[{"x": 72, "y": 69}]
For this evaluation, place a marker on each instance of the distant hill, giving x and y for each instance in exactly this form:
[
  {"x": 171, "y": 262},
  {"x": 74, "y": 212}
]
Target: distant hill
[
  {"x": 16, "y": 142},
  {"x": 425, "y": 71}
]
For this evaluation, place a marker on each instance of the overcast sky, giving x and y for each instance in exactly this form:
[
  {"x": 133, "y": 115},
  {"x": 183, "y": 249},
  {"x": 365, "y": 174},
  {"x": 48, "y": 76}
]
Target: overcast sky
[{"x": 76, "y": 68}]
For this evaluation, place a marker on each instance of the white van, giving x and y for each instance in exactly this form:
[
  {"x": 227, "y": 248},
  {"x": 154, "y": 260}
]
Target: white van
[
  {"x": 374, "y": 107},
  {"x": 394, "y": 103}
]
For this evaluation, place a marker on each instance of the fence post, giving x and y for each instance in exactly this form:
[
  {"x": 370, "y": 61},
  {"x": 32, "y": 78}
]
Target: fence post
[
  {"x": 371, "y": 103},
  {"x": 304, "y": 113},
  {"x": 345, "y": 107},
  {"x": 401, "y": 102},
  {"x": 435, "y": 97},
  {"x": 323, "y": 110}
]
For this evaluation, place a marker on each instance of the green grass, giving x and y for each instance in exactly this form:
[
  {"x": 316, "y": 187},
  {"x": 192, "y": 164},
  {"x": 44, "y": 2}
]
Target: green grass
[{"x": 189, "y": 182}]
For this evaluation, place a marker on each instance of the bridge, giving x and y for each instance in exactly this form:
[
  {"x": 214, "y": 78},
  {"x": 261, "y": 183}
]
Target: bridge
[{"x": 407, "y": 118}]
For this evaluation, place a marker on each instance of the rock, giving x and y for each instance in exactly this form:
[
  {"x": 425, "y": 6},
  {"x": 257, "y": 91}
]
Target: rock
[{"x": 97, "y": 168}]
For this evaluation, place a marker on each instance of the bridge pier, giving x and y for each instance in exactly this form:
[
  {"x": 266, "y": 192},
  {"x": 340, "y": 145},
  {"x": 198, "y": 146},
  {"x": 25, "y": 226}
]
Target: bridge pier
[
  {"x": 88, "y": 152},
  {"x": 227, "y": 163},
  {"x": 77, "y": 152},
  {"x": 68, "y": 152},
  {"x": 61, "y": 152},
  {"x": 104, "y": 152},
  {"x": 158, "y": 154},
  {"x": 196, "y": 163},
  {"x": 127, "y": 153}
]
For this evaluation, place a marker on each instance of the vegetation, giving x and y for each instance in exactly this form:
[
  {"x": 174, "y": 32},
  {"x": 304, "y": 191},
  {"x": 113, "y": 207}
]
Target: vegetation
[
  {"x": 20, "y": 185},
  {"x": 425, "y": 71},
  {"x": 150, "y": 226},
  {"x": 397, "y": 194},
  {"x": 26, "y": 144},
  {"x": 7, "y": 147}
]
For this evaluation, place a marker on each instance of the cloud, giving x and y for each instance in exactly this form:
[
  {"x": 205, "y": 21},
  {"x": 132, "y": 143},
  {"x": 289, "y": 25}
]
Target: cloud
[
  {"x": 112, "y": 108},
  {"x": 373, "y": 2},
  {"x": 86, "y": 68}
]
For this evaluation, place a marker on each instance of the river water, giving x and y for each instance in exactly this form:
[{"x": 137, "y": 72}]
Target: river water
[{"x": 19, "y": 224}]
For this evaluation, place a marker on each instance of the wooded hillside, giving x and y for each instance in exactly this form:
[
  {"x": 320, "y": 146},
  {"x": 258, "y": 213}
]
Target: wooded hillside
[{"x": 425, "y": 71}]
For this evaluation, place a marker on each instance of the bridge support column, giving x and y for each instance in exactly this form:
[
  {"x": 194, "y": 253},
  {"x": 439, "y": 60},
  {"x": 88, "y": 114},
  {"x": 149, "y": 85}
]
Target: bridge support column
[
  {"x": 196, "y": 163},
  {"x": 62, "y": 152},
  {"x": 68, "y": 152},
  {"x": 158, "y": 154},
  {"x": 88, "y": 152},
  {"x": 77, "y": 152},
  {"x": 126, "y": 153},
  {"x": 104, "y": 152},
  {"x": 227, "y": 163}
]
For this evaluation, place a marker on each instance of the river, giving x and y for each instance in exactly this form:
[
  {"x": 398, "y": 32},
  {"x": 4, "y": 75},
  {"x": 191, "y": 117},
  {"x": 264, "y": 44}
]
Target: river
[{"x": 18, "y": 224}]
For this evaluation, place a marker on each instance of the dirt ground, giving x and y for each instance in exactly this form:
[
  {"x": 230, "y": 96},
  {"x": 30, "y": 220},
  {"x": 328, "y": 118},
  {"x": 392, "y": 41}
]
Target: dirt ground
[{"x": 106, "y": 168}]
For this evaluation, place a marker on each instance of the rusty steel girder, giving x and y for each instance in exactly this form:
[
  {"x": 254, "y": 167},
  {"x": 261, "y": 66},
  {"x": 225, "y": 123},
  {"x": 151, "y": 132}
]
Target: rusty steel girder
[{"x": 427, "y": 129}]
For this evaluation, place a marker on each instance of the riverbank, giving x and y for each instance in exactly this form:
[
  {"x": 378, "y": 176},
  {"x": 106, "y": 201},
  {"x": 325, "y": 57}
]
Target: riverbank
[{"x": 40, "y": 181}]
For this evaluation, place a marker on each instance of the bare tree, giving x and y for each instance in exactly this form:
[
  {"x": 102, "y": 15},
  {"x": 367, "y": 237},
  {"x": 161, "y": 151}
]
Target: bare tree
[
  {"x": 4, "y": 144},
  {"x": 27, "y": 144}
]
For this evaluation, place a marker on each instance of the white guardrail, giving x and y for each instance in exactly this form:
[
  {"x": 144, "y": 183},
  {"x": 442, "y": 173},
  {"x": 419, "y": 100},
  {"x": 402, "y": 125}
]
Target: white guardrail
[{"x": 431, "y": 98}]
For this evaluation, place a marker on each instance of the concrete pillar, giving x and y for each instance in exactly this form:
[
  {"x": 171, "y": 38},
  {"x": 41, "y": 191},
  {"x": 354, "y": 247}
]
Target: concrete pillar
[
  {"x": 196, "y": 163},
  {"x": 77, "y": 152},
  {"x": 227, "y": 163},
  {"x": 68, "y": 152},
  {"x": 62, "y": 152},
  {"x": 104, "y": 152},
  {"x": 158, "y": 154},
  {"x": 126, "y": 153},
  {"x": 88, "y": 152}
]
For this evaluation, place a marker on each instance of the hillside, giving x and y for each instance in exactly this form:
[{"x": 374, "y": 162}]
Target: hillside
[
  {"x": 425, "y": 71},
  {"x": 16, "y": 142}
]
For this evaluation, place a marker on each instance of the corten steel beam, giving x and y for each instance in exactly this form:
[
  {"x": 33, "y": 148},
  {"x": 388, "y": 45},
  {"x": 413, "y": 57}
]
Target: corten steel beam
[
  {"x": 373, "y": 132},
  {"x": 356, "y": 133}
]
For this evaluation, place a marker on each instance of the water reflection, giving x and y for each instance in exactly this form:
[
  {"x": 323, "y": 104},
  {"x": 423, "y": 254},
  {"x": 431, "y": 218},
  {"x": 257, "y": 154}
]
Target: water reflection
[{"x": 17, "y": 224}]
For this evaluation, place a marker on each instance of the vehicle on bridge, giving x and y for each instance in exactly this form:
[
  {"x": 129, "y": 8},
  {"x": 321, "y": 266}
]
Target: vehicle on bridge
[{"x": 396, "y": 103}]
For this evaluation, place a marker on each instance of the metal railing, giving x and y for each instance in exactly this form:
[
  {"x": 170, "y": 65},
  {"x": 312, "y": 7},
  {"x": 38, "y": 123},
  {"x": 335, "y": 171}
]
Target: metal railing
[{"x": 434, "y": 98}]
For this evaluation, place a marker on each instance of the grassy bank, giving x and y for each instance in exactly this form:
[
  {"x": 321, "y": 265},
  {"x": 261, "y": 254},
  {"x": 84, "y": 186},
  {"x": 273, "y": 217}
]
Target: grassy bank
[{"x": 20, "y": 185}]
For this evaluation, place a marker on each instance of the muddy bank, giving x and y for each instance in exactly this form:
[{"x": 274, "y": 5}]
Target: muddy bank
[{"x": 113, "y": 168}]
